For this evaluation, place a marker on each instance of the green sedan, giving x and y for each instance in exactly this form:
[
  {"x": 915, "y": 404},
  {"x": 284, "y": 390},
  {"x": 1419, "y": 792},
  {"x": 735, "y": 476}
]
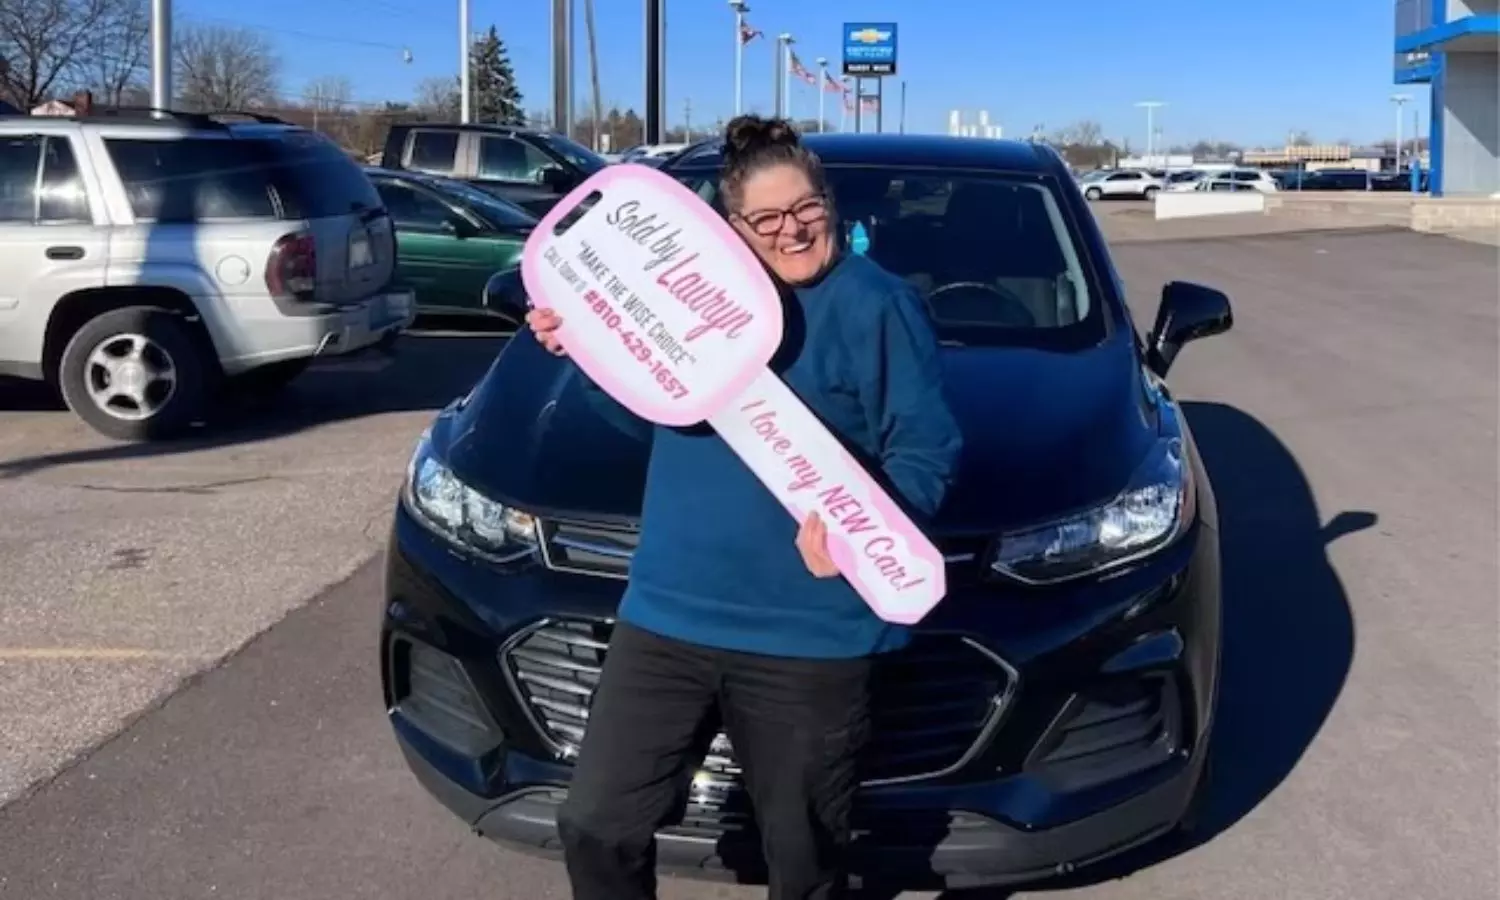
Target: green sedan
[{"x": 450, "y": 238}]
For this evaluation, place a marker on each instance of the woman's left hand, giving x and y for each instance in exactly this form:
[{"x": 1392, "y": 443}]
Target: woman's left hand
[{"x": 812, "y": 543}]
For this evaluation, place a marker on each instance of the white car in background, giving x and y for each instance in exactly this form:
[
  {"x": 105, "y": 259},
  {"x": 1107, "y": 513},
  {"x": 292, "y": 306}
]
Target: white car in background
[
  {"x": 1236, "y": 180},
  {"x": 1122, "y": 184}
]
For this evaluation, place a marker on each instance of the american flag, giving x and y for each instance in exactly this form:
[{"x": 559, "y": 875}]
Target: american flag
[
  {"x": 871, "y": 103},
  {"x": 833, "y": 86},
  {"x": 801, "y": 71},
  {"x": 748, "y": 34}
]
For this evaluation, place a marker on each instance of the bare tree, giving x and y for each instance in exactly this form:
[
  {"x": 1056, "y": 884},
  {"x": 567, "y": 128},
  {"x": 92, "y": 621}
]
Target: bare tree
[
  {"x": 45, "y": 43},
  {"x": 439, "y": 97},
  {"x": 1299, "y": 138},
  {"x": 1088, "y": 132},
  {"x": 118, "y": 65},
  {"x": 225, "y": 68}
]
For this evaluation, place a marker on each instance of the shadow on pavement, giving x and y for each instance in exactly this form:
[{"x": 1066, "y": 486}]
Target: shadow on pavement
[
  {"x": 1288, "y": 632},
  {"x": 426, "y": 373}
]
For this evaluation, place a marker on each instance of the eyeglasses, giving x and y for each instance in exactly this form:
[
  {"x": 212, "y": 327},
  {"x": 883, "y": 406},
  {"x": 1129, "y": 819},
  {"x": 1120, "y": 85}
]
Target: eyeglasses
[{"x": 766, "y": 222}]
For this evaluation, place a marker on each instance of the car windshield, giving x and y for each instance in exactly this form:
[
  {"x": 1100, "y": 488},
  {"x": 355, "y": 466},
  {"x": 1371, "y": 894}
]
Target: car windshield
[
  {"x": 993, "y": 256},
  {"x": 577, "y": 154},
  {"x": 1094, "y": 175},
  {"x": 500, "y": 212}
]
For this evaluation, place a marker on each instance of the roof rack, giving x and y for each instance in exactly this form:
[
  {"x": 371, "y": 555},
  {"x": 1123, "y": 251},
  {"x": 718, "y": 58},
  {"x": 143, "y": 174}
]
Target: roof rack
[{"x": 196, "y": 119}]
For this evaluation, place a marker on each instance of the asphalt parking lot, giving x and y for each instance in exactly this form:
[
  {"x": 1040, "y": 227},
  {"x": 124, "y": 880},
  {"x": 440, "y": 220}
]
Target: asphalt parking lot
[{"x": 1349, "y": 423}]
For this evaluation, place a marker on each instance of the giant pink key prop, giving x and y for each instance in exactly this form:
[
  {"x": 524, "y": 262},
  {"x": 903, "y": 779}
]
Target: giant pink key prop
[{"x": 668, "y": 311}]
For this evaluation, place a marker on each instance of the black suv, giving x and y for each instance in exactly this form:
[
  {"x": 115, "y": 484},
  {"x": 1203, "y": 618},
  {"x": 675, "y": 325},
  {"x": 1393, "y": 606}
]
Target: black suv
[
  {"x": 530, "y": 168},
  {"x": 1054, "y": 709}
]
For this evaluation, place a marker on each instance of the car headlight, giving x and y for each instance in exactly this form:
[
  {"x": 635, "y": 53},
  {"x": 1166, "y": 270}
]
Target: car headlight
[
  {"x": 1152, "y": 511},
  {"x": 463, "y": 516}
]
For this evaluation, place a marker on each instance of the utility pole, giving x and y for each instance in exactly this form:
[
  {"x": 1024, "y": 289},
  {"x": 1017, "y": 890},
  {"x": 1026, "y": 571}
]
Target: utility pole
[
  {"x": 822, "y": 90},
  {"x": 783, "y": 80},
  {"x": 598, "y": 107},
  {"x": 903, "y": 106},
  {"x": 687, "y": 120},
  {"x": 562, "y": 67},
  {"x": 656, "y": 70},
  {"x": 1399, "y": 100},
  {"x": 1150, "y": 106},
  {"x": 161, "y": 54},
  {"x": 740, "y": 7},
  {"x": 465, "y": 48}
]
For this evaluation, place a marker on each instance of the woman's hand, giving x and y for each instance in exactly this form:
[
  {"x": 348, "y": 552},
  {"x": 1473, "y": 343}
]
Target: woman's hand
[
  {"x": 812, "y": 543},
  {"x": 544, "y": 324}
]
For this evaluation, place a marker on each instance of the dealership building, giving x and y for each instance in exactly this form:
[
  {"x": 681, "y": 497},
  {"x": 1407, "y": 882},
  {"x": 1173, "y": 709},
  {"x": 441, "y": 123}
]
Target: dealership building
[{"x": 1454, "y": 46}]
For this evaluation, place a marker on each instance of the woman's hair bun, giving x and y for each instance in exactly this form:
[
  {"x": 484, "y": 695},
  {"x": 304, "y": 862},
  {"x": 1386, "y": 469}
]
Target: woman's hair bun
[{"x": 747, "y": 136}]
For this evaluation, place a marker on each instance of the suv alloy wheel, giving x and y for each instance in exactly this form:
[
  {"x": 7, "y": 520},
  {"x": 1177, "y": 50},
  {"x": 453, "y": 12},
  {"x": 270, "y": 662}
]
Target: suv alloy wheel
[{"x": 137, "y": 373}]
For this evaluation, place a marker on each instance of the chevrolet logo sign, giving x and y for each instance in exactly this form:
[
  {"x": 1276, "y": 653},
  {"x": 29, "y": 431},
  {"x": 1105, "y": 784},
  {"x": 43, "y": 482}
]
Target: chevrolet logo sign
[{"x": 869, "y": 36}]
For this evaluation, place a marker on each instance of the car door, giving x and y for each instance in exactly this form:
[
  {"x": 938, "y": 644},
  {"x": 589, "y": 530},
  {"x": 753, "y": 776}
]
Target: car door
[
  {"x": 442, "y": 254},
  {"x": 1122, "y": 184},
  {"x": 516, "y": 170},
  {"x": 55, "y": 231}
]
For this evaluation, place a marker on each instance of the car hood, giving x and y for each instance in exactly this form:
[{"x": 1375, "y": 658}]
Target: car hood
[{"x": 1045, "y": 434}]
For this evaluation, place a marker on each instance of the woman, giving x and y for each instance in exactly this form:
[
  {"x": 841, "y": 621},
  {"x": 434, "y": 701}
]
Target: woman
[{"x": 733, "y": 610}]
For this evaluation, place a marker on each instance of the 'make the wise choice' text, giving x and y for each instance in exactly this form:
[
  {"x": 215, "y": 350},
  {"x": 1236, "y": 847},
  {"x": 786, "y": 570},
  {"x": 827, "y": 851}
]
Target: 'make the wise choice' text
[
  {"x": 708, "y": 300},
  {"x": 841, "y": 506}
]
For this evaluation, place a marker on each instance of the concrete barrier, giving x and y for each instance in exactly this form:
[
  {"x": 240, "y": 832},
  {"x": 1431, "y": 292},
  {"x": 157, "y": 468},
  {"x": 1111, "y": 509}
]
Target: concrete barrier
[{"x": 1188, "y": 204}]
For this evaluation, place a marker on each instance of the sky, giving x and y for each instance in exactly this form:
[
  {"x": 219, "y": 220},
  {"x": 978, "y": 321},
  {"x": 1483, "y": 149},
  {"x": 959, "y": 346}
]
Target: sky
[{"x": 1247, "y": 74}]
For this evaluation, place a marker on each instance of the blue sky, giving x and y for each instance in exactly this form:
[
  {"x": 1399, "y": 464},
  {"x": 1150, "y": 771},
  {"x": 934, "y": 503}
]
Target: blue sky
[{"x": 1249, "y": 74}]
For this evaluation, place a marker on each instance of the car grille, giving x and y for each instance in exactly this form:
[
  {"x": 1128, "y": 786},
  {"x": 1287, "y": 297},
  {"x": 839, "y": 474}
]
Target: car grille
[
  {"x": 934, "y": 702},
  {"x": 605, "y": 549}
]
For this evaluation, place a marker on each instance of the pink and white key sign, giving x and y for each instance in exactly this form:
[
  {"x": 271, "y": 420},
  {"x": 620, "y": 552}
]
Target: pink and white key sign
[{"x": 666, "y": 309}]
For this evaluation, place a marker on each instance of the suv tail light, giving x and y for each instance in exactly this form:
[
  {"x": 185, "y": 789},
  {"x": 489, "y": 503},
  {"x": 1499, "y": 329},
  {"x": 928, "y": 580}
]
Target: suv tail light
[{"x": 292, "y": 267}]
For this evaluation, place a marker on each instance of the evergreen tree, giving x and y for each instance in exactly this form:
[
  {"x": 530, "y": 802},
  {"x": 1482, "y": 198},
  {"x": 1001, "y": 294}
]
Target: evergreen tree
[{"x": 497, "y": 98}]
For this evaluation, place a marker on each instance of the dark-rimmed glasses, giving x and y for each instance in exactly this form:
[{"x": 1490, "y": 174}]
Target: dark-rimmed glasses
[{"x": 767, "y": 222}]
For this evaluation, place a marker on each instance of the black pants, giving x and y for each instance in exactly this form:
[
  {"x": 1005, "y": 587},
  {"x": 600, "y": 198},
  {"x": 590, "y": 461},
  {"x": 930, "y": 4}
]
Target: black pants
[{"x": 797, "y": 727}]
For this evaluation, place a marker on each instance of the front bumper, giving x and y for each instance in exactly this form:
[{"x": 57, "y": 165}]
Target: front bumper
[{"x": 1011, "y": 814}]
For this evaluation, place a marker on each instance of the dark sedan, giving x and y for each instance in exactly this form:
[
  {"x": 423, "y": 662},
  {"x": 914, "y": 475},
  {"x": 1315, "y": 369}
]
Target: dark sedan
[{"x": 1056, "y": 707}]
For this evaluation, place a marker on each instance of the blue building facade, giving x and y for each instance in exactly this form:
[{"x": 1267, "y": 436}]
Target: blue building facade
[{"x": 1454, "y": 46}]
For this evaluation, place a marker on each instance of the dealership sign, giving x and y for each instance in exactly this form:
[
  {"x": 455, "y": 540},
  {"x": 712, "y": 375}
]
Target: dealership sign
[
  {"x": 869, "y": 48},
  {"x": 665, "y": 307}
]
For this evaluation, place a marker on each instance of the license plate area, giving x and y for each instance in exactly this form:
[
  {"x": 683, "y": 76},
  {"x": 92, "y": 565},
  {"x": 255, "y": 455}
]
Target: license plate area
[{"x": 361, "y": 253}]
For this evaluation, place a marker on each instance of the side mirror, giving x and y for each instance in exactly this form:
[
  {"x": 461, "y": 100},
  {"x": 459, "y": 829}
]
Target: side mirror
[
  {"x": 555, "y": 179},
  {"x": 1187, "y": 312},
  {"x": 505, "y": 294}
]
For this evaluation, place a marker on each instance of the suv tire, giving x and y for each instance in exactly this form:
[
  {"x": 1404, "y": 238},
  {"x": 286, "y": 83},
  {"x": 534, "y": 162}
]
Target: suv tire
[
  {"x": 1093, "y": 194},
  {"x": 146, "y": 342}
]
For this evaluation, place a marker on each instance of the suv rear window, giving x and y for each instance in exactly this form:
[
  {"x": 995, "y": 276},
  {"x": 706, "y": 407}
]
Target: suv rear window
[
  {"x": 193, "y": 179},
  {"x": 316, "y": 179},
  {"x": 297, "y": 175}
]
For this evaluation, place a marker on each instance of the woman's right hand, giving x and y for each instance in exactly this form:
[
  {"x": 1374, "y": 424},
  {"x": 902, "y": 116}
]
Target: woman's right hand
[{"x": 544, "y": 324}]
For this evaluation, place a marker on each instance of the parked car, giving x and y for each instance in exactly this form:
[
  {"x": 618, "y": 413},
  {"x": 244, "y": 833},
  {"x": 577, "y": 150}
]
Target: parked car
[
  {"x": 529, "y": 167},
  {"x": 451, "y": 237},
  {"x": 1054, "y": 710},
  {"x": 1238, "y": 180},
  {"x": 151, "y": 260},
  {"x": 1126, "y": 184}
]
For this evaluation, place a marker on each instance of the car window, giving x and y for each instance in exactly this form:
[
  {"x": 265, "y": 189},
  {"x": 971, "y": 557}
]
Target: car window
[
  {"x": 194, "y": 179},
  {"x": 1125, "y": 176},
  {"x": 433, "y": 151},
  {"x": 585, "y": 159},
  {"x": 987, "y": 254},
  {"x": 314, "y": 178},
  {"x": 501, "y": 213},
  {"x": 509, "y": 159},
  {"x": 62, "y": 198},
  {"x": 412, "y": 209},
  {"x": 19, "y": 158}
]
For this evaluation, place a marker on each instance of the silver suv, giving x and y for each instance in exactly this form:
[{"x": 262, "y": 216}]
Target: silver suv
[{"x": 153, "y": 259}]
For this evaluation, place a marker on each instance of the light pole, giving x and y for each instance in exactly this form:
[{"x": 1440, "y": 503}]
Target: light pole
[
  {"x": 783, "y": 71},
  {"x": 822, "y": 88},
  {"x": 464, "y": 87},
  {"x": 740, "y": 7},
  {"x": 1399, "y": 100},
  {"x": 161, "y": 54},
  {"x": 1150, "y": 106}
]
